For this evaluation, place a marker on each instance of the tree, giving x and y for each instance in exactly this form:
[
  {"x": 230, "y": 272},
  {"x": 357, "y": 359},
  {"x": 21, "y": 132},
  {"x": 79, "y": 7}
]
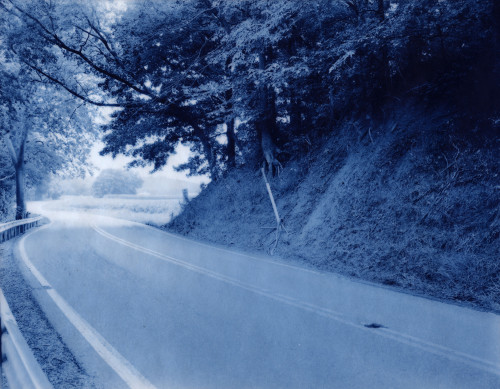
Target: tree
[
  {"x": 173, "y": 63},
  {"x": 43, "y": 137},
  {"x": 113, "y": 181},
  {"x": 6, "y": 186},
  {"x": 188, "y": 72},
  {"x": 126, "y": 69},
  {"x": 41, "y": 130}
]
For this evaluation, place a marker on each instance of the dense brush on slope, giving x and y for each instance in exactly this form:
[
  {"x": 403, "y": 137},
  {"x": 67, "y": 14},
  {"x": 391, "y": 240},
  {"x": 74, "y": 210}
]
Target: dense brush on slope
[{"x": 410, "y": 202}]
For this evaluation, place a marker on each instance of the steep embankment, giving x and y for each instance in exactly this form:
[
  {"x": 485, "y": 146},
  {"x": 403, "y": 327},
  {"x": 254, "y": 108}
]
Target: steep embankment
[{"x": 412, "y": 201}]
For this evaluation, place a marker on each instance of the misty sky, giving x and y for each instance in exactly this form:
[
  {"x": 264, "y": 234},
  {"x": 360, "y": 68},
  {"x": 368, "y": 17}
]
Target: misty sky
[{"x": 102, "y": 116}]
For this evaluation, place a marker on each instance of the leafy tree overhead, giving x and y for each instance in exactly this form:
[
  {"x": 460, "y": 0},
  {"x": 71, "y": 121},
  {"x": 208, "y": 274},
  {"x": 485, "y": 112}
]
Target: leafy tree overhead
[
  {"x": 114, "y": 181},
  {"x": 43, "y": 130},
  {"x": 42, "y": 133},
  {"x": 189, "y": 72},
  {"x": 149, "y": 81}
]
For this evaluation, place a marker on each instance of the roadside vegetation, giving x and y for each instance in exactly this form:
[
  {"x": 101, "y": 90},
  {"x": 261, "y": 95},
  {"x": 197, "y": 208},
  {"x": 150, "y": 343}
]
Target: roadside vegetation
[
  {"x": 412, "y": 205},
  {"x": 375, "y": 123}
]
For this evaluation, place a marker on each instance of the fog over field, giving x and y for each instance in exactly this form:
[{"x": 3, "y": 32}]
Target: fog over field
[{"x": 148, "y": 210}]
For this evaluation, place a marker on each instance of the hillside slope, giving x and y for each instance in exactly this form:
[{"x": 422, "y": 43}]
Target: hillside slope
[{"x": 410, "y": 201}]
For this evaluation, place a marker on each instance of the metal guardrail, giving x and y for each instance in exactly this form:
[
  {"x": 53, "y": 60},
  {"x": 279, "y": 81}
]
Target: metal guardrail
[
  {"x": 12, "y": 229},
  {"x": 18, "y": 362}
]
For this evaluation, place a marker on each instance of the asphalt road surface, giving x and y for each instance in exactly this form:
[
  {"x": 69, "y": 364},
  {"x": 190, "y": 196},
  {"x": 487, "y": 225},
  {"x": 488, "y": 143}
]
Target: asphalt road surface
[{"x": 142, "y": 308}]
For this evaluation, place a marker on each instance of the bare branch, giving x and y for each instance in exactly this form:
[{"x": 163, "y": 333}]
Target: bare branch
[
  {"x": 86, "y": 31},
  {"x": 85, "y": 43}
]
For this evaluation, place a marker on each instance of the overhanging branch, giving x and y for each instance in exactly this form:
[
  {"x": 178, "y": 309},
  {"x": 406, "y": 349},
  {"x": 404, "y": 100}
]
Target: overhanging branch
[
  {"x": 70, "y": 90},
  {"x": 55, "y": 39}
]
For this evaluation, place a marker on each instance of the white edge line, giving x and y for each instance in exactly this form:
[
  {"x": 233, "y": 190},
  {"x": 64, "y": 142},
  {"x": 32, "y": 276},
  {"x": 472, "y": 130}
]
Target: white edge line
[
  {"x": 323, "y": 273},
  {"x": 127, "y": 372},
  {"x": 397, "y": 336},
  {"x": 229, "y": 251}
]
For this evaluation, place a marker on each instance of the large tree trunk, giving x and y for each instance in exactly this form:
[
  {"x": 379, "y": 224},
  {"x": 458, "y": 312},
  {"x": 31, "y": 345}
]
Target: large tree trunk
[
  {"x": 266, "y": 123},
  {"x": 18, "y": 163},
  {"x": 295, "y": 114},
  {"x": 204, "y": 139},
  {"x": 231, "y": 143},
  {"x": 230, "y": 124},
  {"x": 20, "y": 185},
  {"x": 380, "y": 9},
  {"x": 207, "y": 150}
]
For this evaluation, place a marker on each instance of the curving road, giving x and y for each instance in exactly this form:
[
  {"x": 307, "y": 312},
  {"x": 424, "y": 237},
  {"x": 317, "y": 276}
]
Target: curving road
[{"x": 143, "y": 308}]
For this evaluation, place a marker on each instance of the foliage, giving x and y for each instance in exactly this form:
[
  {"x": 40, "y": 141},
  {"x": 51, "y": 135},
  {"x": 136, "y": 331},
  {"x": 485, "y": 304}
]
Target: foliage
[
  {"x": 238, "y": 80},
  {"x": 43, "y": 131},
  {"x": 189, "y": 72},
  {"x": 416, "y": 207},
  {"x": 113, "y": 181}
]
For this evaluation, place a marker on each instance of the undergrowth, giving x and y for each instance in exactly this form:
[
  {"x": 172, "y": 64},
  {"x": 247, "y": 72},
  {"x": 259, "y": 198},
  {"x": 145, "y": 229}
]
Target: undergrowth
[{"x": 410, "y": 201}]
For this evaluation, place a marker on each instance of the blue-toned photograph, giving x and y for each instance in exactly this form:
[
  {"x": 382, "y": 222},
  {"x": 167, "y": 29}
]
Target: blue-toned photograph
[{"x": 236, "y": 194}]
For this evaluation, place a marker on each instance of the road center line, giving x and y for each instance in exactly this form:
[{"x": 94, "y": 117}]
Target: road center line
[
  {"x": 127, "y": 372},
  {"x": 387, "y": 333}
]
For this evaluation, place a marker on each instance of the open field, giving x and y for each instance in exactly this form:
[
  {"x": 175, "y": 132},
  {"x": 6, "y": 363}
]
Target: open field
[{"x": 149, "y": 210}]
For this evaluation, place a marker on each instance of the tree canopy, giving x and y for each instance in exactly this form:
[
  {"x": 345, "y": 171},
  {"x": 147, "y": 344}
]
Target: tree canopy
[
  {"x": 237, "y": 80},
  {"x": 43, "y": 130}
]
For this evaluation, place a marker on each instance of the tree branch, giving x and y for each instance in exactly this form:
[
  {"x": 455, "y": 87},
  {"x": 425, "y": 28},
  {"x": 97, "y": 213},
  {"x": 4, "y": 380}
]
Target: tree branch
[
  {"x": 70, "y": 90},
  {"x": 10, "y": 147},
  {"x": 7, "y": 177},
  {"x": 62, "y": 45},
  {"x": 102, "y": 38}
]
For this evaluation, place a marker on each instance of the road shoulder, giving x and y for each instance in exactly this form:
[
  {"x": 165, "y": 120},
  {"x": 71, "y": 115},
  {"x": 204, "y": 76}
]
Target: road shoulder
[{"x": 54, "y": 357}]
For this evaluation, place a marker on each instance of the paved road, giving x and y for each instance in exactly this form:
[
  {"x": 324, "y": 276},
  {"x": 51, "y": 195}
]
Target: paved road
[{"x": 144, "y": 308}]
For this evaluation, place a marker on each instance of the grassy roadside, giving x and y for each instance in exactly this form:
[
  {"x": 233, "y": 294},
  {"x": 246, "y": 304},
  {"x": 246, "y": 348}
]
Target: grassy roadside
[
  {"x": 412, "y": 201},
  {"x": 54, "y": 357}
]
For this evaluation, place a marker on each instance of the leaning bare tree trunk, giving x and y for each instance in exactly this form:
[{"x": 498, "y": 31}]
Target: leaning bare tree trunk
[{"x": 279, "y": 221}]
